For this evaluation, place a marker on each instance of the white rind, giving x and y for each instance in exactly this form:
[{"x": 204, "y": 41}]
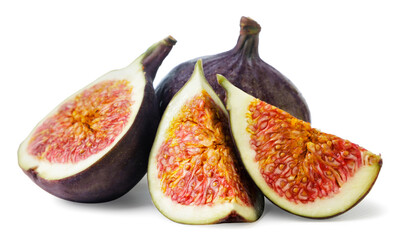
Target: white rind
[
  {"x": 53, "y": 171},
  {"x": 350, "y": 193},
  {"x": 188, "y": 214}
]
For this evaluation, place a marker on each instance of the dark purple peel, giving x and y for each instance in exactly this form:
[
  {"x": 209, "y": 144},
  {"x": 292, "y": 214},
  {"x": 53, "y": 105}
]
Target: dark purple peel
[
  {"x": 119, "y": 170},
  {"x": 245, "y": 69},
  {"x": 233, "y": 217}
]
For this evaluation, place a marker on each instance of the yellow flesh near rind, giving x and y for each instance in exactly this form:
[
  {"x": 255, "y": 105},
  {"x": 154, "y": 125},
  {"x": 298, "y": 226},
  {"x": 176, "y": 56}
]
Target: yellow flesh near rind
[
  {"x": 188, "y": 214},
  {"x": 350, "y": 193},
  {"x": 52, "y": 171}
]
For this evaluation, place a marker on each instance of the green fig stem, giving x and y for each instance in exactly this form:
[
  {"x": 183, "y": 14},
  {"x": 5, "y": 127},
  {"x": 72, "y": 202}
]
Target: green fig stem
[
  {"x": 154, "y": 56},
  {"x": 248, "y": 40},
  {"x": 249, "y": 26}
]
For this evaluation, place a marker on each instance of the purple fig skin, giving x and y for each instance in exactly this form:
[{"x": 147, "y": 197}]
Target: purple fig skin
[
  {"x": 125, "y": 164},
  {"x": 243, "y": 67}
]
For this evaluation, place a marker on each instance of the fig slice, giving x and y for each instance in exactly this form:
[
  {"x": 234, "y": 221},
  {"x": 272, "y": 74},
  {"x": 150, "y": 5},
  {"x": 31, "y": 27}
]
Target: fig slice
[
  {"x": 300, "y": 169},
  {"x": 194, "y": 175},
  {"x": 94, "y": 146}
]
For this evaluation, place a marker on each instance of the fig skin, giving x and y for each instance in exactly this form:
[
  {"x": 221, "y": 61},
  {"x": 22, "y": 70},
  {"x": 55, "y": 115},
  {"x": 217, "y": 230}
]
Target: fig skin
[
  {"x": 245, "y": 69},
  {"x": 120, "y": 169}
]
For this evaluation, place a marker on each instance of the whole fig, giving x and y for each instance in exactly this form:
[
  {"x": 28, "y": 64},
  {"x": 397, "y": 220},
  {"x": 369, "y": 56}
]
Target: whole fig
[{"x": 245, "y": 69}]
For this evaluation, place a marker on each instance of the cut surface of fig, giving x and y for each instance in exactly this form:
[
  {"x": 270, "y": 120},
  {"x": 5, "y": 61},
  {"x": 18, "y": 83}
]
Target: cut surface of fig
[
  {"x": 299, "y": 168},
  {"x": 244, "y": 68},
  {"x": 85, "y": 125},
  {"x": 94, "y": 146},
  {"x": 194, "y": 174}
]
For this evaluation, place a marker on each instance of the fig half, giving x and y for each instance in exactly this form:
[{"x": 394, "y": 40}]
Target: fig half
[
  {"x": 194, "y": 175},
  {"x": 299, "y": 168},
  {"x": 245, "y": 69},
  {"x": 94, "y": 146}
]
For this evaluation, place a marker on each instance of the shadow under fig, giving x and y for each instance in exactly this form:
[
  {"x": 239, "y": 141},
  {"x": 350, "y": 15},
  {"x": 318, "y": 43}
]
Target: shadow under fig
[
  {"x": 364, "y": 210},
  {"x": 137, "y": 197}
]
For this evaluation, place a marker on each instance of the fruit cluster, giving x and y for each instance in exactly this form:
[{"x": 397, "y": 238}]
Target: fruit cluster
[{"x": 216, "y": 137}]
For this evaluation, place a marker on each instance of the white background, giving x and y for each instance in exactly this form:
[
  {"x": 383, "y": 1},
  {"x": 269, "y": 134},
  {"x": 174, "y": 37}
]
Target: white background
[{"x": 344, "y": 56}]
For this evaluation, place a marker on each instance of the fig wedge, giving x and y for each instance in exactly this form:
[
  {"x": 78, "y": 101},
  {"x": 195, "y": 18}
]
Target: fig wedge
[
  {"x": 299, "y": 168},
  {"x": 194, "y": 175}
]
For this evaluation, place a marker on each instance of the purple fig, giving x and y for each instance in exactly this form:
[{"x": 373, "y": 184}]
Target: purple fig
[{"x": 245, "y": 69}]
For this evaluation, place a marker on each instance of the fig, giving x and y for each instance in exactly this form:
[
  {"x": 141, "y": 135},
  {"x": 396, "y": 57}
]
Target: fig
[
  {"x": 194, "y": 175},
  {"x": 94, "y": 146},
  {"x": 299, "y": 168},
  {"x": 245, "y": 69}
]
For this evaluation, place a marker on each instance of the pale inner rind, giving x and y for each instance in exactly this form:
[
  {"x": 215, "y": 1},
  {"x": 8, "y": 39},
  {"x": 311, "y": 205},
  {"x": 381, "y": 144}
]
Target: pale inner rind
[
  {"x": 52, "y": 171},
  {"x": 350, "y": 193},
  {"x": 197, "y": 214},
  {"x": 189, "y": 214}
]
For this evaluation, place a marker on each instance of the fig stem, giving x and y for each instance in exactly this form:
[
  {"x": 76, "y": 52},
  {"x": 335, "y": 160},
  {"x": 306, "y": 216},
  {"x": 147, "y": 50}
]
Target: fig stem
[
  {"x": 248, "y": 39},
  {"x": 249, "y": 26},
  {"x": 154, "y": 56}
]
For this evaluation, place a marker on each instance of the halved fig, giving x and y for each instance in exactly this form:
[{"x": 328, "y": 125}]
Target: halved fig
[
  {"x": 299, "y": 168},
  {"x": 194, "y": 175},
  {"x": 94, "y": 146}
]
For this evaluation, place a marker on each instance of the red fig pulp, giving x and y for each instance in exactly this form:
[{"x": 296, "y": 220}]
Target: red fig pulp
[{"x": 245, "y": 69}]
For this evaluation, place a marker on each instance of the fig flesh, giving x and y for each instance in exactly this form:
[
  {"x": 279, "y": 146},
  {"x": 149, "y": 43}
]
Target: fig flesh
[
  {"x": 94, "y": 146},
  {"x": 299, "y": 168},
  {"x": 245, "y": 69},
  {"x": 194, "y": 175}
]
